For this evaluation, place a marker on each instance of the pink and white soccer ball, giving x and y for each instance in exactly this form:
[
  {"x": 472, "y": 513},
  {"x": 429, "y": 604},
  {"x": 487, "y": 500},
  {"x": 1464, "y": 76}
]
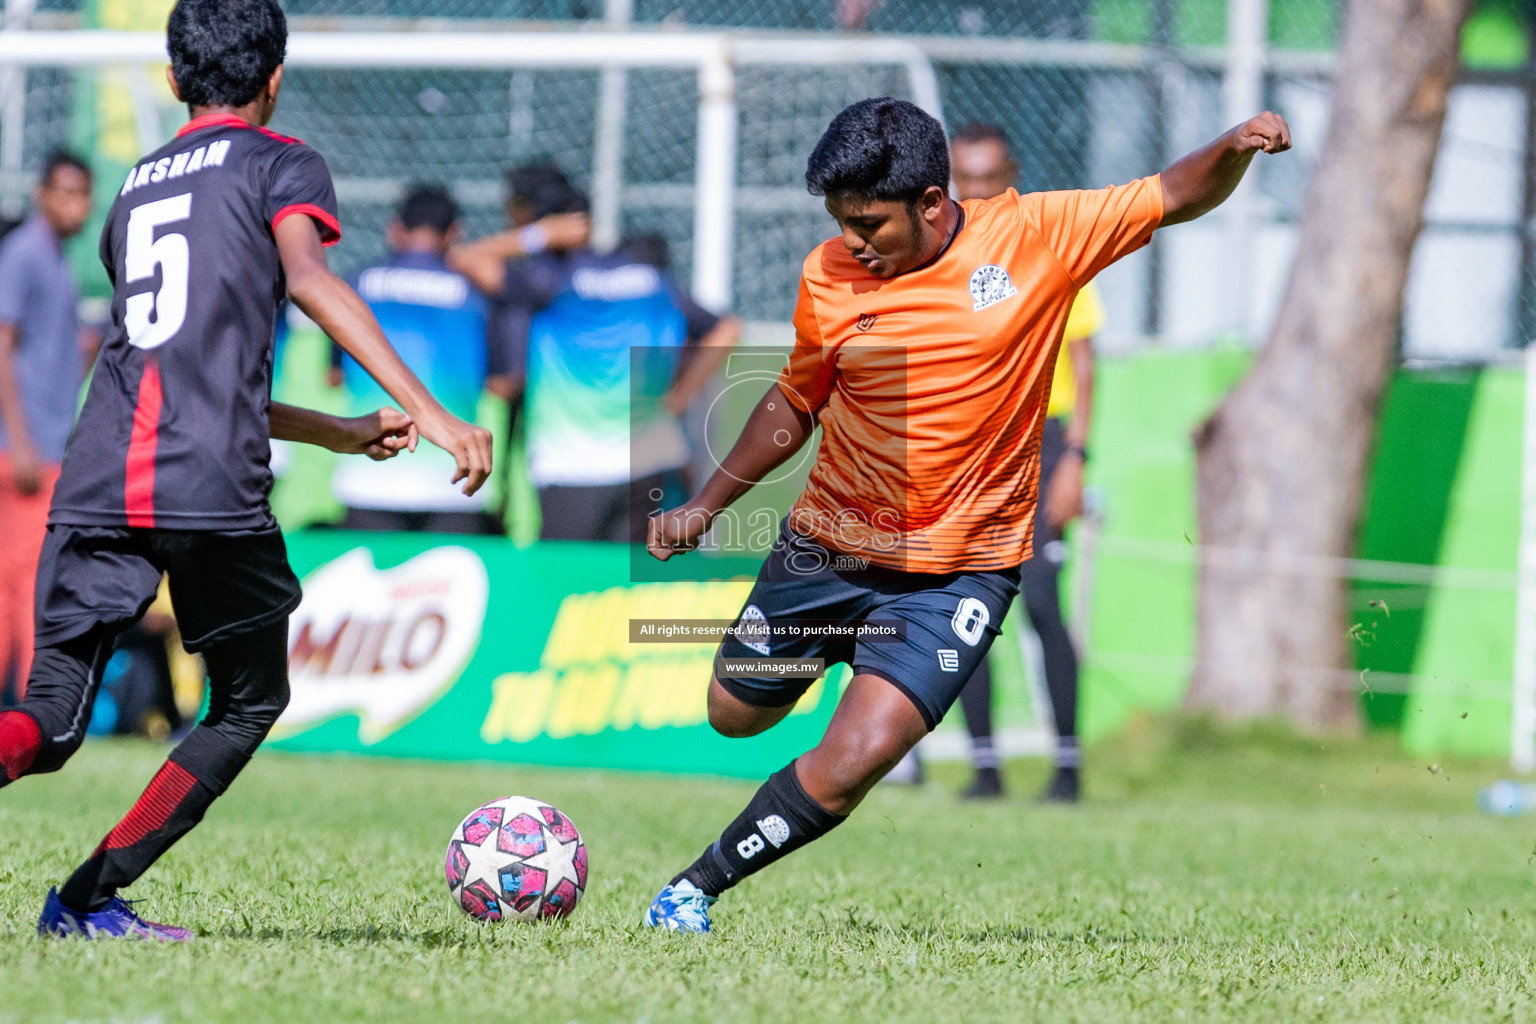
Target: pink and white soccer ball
[{"x": 516, "y": 858}]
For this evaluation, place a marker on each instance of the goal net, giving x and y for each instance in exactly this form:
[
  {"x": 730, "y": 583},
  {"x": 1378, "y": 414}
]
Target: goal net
[{"x": 621, "y": 115}]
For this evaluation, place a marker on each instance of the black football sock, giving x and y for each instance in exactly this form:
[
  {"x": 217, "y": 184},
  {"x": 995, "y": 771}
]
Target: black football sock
[
  {"x": 781, "y": 818},
  {"x": 248, "y": 680}
]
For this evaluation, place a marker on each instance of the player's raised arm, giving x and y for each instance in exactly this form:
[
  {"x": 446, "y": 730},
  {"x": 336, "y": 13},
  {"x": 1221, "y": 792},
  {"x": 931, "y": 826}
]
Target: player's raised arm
[
  {"x": 380, "y": 435},
  {"x": 1198, "y": 183},
  {"x": 330, "y": 302},
  {"x": 776, "y": 430},
  {"x": 484, "y": 261}
]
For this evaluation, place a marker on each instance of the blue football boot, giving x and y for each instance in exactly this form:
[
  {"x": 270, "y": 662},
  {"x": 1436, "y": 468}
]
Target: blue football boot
[
  {"x": 682, "y": 907},
  {"x": 116, "y": 920}
]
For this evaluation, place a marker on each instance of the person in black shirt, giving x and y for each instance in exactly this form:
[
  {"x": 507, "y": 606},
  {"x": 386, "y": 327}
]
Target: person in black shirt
[{"x": 167, "y": 468}]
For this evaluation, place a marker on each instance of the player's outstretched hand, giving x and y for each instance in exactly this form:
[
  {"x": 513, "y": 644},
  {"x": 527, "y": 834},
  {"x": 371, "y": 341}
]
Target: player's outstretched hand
[
  {"x": 1267, "y": 133},
  {"x": 675, "y": 531},
  {"x": 469, "y": 445},
  {"x": 380, "y": 435}
]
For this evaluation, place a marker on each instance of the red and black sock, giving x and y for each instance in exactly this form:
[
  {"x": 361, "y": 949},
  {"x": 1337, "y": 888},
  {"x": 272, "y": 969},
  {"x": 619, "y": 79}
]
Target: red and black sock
[
  {"x": 174, "y": 802},
  {"x": 20, "y": 740},
  {"x": 248, "y": 679},
  {"x": 198, "y": 771}
]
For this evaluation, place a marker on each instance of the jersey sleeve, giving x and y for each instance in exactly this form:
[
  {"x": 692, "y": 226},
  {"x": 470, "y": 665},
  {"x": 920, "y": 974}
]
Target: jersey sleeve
[
  {"x": 700, "y": 320},
  {"x": 1089, "y": 230},
  {"x": 15, "y": 276},
  {"x": 807, "y": 380},
  {"x": 301, "y": 184}
]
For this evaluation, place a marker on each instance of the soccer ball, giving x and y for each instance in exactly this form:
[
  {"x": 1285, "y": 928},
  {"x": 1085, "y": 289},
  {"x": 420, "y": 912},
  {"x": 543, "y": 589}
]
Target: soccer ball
[{"x": 516, "y": 858}]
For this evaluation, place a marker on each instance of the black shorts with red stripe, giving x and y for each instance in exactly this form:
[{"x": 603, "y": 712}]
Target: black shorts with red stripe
[{"x": 223, "y": 583}]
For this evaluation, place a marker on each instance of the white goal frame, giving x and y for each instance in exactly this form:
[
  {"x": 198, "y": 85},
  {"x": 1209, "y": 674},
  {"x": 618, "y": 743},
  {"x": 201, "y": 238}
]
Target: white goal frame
[{"x": 714, "y": 56}]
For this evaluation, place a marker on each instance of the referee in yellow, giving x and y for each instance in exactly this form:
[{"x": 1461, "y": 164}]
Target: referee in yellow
[{"x": 982, "y": 166}]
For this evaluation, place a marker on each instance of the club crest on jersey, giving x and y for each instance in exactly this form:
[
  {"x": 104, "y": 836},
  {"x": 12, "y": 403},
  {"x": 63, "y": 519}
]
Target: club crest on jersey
[
  {"x": 866, "y": 321},
  {"x": 990, "y": 284}
]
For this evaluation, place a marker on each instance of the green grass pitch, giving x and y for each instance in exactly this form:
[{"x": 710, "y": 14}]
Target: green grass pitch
[{"x": 1209, "y": 877}]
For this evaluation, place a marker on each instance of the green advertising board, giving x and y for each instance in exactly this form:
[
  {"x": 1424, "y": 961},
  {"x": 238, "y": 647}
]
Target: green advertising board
[
  {"x": 1444, "y": 493},
  {"x": 413, "y": 646}
]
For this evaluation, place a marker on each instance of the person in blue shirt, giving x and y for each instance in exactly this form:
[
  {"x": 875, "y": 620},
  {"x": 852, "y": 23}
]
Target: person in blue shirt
[
  {"x": 437, "y": 322},
  {"x": 601, "y": 336}
]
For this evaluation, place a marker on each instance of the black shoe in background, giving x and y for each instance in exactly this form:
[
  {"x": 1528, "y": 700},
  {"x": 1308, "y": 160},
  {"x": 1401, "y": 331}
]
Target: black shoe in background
[
  {"x": 988, "y": 785},
  {"x": 1063, "y": 789}
]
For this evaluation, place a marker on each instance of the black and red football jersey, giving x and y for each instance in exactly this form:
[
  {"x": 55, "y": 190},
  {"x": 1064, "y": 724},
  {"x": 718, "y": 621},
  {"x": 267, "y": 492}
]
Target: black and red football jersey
[{"x": 174, "y": 430}]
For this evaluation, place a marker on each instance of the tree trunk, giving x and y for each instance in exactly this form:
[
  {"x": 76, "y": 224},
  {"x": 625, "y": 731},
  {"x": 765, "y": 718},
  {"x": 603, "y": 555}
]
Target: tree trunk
[{"x": 1281, "y": 463}]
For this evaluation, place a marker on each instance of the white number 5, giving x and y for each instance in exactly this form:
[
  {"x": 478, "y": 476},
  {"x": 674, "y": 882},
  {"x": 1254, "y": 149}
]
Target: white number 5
[{"x": 169, "y": 252}]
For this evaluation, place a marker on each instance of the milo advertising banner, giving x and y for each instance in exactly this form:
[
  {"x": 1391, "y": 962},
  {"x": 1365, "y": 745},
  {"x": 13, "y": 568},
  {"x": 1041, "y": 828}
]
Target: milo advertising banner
[{"x": 471, "y": 648}]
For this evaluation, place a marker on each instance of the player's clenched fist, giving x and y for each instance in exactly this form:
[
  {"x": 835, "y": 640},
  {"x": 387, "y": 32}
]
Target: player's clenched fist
[
  {"x": 380, "y": 435},
  {"x": 1267, "y": 133},
  {"x": 675, "y": 531}
]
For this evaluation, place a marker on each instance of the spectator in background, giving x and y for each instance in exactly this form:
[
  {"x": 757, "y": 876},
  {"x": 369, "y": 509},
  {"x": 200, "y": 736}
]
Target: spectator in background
[
  {"x": 43, "y": 358},
  {"x": 853, "y": 15},
  {"x": 982, "y": 166},
  {"x": 437, "y": 322},
  {"x": 544, "y": 213},
  {"x": 601, "y": 343},
  {"x": 697, "y": 363}
]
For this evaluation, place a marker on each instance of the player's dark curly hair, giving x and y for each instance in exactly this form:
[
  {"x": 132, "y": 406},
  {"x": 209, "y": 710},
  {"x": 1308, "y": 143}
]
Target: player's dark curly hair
[
  {"x": 224, "y": 51},
  {"x": 545, "y": 189},
  {"x": 428, "y": 206},
  {"x": 880, "y": 149}
]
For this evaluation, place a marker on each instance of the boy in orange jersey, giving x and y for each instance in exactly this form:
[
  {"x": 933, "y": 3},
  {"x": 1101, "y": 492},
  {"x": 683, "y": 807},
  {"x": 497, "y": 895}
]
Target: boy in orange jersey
[{"x": 925, "y": 340}]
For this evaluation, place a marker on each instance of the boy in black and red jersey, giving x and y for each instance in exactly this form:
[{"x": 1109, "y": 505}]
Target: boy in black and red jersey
[{"x": 167, "y": 472}]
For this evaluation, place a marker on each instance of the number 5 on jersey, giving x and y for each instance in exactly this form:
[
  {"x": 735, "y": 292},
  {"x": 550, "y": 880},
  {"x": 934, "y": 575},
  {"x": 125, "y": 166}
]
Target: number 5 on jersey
[{"x": 170, "y": 254}]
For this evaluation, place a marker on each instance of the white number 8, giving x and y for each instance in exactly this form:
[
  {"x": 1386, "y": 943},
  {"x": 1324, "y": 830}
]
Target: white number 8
[
  {"x": 970, "y": 620},
  {"x": 170, "y": 253}
]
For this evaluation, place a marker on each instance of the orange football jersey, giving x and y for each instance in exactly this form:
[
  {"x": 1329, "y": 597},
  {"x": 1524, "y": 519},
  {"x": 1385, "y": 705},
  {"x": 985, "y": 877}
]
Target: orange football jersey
[{"x": 931, "y": 387}]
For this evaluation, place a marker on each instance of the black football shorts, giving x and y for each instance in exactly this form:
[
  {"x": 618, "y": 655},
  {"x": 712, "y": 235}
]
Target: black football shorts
[
  {"x": 924, "y": 632},
  {"x": 222, "y": 583}
]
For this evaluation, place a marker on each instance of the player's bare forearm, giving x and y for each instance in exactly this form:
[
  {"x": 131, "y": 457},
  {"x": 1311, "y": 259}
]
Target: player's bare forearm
[
  {"x": 11, "y": 412},
  {"x": 336, "y": 308},
  {"x": 1198, "y": 183},
  {"x": 26, "y": 463},
  {"x": 484, "y": 261},
  {"x": 340, "y": 313},
  {"x": 379, "y": 435},
  {"x": 713, "y": 349},
  {"x": 775, "y": 431},
  {"x": 303, "y": 426},
  {"x": 1080, "y": 351}
]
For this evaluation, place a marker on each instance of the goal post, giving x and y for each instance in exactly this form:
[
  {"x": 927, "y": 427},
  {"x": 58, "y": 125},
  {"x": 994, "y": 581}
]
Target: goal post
[{"x": 713, "y": 57}]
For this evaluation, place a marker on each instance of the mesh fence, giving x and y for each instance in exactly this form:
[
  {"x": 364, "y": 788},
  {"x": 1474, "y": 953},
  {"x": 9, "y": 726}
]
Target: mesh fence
[
  {"x": 1077, "y": 118},
  {"x": 1306, "y": 24}
]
